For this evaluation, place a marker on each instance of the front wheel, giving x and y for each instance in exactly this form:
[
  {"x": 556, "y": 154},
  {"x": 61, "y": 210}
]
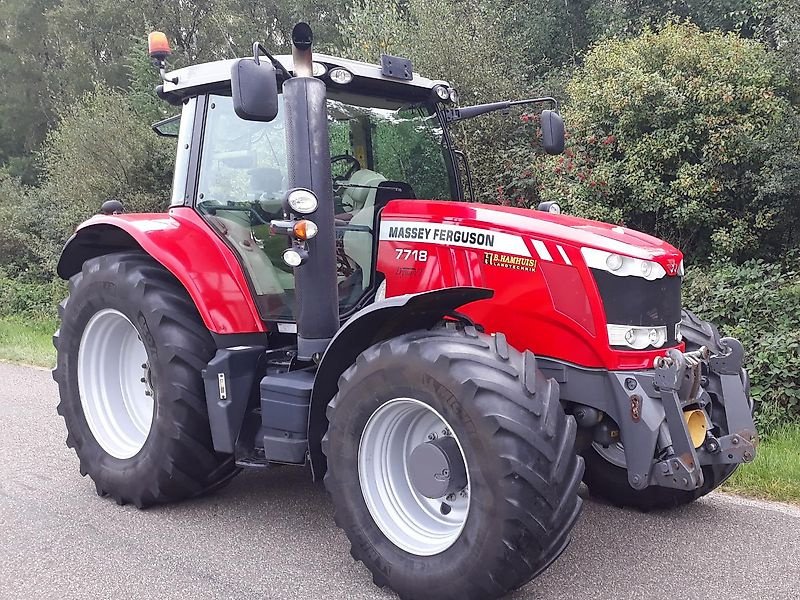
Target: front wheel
[
  {"x": 451, "y": 465},
  {"x": 130, "y": 352}
]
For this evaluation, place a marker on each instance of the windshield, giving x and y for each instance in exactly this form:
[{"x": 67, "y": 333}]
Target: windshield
[{"x": 244, "y": 174}]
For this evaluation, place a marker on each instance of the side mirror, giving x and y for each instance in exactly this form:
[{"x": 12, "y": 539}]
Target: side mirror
[
  {"x": 552, "y": 132},
  {"x": 254, "y": 88}
]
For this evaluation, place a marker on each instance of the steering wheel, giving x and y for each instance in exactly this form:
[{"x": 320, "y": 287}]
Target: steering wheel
[{"x": 354, "y": 166}]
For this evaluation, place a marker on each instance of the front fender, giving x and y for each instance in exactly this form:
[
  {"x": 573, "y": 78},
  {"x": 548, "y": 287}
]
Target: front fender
[
  {"x": 187, "y": 247},
  {"x": 377, "y": 322}
]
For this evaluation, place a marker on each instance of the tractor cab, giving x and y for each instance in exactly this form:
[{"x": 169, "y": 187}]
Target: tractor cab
[{"x": 386, "y": 138}]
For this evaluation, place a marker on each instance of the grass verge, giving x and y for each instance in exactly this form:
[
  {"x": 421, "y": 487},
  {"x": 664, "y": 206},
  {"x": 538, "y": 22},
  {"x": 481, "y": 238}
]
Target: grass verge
[
  {"x": 775, "y": 473},
  {"x": 28, "y": 341}
]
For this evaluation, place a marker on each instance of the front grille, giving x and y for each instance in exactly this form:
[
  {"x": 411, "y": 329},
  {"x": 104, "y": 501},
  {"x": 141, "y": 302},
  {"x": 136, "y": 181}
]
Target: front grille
[{"x": 637, "y": 301}]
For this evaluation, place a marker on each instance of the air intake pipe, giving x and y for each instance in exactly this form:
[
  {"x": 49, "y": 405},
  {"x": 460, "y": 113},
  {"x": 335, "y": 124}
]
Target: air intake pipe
[{"x": 309, "y": 166}]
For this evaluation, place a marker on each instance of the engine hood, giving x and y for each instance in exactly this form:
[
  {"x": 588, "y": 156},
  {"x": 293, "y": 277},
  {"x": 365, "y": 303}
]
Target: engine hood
[{"x": 537, "y": 226}]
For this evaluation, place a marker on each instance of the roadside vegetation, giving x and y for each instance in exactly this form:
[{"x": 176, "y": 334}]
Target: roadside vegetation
[
  {"x": 27, "y": 341},
  {"x": 775, "y": 473},
  {"x": 683, "y": 121}
]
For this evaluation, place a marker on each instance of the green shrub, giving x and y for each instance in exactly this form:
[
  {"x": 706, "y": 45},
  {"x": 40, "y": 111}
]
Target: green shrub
[
  {"x": 687, "y": 135},
  {"x": 28, "y": 300},
  {"x": 759, "y": 304}
]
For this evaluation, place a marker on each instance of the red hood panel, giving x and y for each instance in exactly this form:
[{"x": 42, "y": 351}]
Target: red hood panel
[{"x": 541, "y": 226}]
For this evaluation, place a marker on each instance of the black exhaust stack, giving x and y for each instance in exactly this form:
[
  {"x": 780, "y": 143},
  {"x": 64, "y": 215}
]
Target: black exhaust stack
[{"x": 309, "y": 164}]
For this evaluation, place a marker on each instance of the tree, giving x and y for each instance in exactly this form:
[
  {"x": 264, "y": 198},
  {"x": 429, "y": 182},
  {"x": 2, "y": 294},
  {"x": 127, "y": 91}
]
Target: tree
[{"x": 684, "y": 134}]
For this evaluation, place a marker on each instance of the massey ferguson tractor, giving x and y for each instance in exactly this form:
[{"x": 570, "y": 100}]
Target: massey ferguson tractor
[{"x": 324, "y": 292}]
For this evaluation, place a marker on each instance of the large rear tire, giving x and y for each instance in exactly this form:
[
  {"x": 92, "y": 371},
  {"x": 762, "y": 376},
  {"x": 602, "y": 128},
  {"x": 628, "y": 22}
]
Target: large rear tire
[
  {"x": 610, "y": 482},
  {"x": 520, "y": 503},
  {"x": 130, "y": 351}
]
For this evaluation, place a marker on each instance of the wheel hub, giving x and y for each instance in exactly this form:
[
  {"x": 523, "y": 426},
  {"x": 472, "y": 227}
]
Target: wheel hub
[{"x": 436, "y": 468}]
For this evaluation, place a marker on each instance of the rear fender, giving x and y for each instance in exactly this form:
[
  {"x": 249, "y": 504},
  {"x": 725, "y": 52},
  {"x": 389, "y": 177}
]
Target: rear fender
[
  {"x": 187, "y": 247},
  {"x": 377, "y": 322}
]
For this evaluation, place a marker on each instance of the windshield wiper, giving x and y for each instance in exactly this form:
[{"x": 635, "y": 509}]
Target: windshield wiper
[{"x": 453, "y": 115}]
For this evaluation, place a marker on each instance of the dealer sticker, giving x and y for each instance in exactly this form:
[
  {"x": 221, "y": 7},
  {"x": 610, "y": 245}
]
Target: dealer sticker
[{"x": 519, "y": 263}]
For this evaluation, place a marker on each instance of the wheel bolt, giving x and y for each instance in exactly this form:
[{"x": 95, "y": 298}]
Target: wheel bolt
[
  {"x": 431, "y": 437},
  {"x": 450, "y": 497}
]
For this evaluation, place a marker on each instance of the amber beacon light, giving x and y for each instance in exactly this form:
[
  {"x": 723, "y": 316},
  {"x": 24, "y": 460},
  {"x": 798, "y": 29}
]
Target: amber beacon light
[{"x": 158, "y": 45}]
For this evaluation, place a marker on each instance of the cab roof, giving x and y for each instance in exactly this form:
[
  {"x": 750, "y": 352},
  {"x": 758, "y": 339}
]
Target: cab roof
[{"x": 367, "y": 79}]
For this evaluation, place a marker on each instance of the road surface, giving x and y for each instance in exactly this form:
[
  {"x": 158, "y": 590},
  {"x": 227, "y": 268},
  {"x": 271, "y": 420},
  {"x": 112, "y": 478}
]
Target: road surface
[{"x": 271, "y": 535}]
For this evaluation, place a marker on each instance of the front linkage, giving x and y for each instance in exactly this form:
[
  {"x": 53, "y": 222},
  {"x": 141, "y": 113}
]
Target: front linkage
[{"x": 716, "y": 385}]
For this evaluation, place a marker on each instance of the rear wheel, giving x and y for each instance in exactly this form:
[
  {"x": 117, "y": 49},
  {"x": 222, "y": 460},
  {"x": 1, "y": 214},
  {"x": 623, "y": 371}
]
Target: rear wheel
[
  {"x": 606, "y": 475},
  {"x": 131, "y": 348},
  {"x": 451, "y": 465}
]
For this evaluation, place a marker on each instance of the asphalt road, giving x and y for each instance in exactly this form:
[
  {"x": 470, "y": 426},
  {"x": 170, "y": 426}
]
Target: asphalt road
[{"x": 271, "y": 535}]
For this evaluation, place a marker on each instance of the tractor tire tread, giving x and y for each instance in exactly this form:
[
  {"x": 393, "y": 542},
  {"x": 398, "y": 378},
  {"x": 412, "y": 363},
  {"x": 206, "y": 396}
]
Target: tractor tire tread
[
  {"x": 536, "y": 447},
  {"x": 190, "y": 466}
]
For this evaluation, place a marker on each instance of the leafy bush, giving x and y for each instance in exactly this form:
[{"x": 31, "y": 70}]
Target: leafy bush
[
  {"x": 30, "y": 300},
  {"x": 759, "y": 304},
  {"x": 103, "y": 149},
  {"x": 684, "y": 134}
]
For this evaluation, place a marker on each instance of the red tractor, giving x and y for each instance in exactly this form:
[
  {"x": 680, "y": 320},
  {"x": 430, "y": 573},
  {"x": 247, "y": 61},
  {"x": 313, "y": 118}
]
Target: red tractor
[{"x": 448, "y": 367}]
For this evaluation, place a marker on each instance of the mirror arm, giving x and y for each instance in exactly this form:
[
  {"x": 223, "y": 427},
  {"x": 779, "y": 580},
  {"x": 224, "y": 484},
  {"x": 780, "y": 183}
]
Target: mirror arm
[
  {"x": 454, "y": 115},
  {"x": 259, "y": 49}
]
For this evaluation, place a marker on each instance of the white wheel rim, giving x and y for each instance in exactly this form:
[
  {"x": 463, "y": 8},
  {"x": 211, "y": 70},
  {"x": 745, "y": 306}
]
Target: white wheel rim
[
  {"x": 114, "y": 384},
  {"x": 408, "y": 519}
]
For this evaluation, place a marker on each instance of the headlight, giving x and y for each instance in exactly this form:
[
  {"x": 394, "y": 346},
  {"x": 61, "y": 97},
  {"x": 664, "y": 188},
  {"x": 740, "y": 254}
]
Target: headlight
[
  {"x": 294, "y": 257},
  {"x": 623, "y": 266},
  {"x": 637, "y": 338},
  {"x": 301, "y": 201}
]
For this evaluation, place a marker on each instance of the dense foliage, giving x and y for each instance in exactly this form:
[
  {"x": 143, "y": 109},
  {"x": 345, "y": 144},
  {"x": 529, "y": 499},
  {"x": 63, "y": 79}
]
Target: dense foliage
[
  {"x": 683, "y": 121},
  {"x": 689, "y": 135},
  {"x": 759, "y": 304}
]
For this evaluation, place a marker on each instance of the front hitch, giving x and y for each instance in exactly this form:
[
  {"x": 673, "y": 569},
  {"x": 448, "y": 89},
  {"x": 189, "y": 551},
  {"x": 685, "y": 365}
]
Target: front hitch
[{"x": 679, "y": 379}]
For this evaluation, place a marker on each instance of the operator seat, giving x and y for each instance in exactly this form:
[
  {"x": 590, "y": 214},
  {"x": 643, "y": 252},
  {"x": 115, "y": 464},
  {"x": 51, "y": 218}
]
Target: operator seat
[{"x": 358, "y": 244}]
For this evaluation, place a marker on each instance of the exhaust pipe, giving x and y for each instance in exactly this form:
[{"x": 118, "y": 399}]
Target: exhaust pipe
[
  {"x": 302, "y": 37},
  {"x": 309, "y": 162}
]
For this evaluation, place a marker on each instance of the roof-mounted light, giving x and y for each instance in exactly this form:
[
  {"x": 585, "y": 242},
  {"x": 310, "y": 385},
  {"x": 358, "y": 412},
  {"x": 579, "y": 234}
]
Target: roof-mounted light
[
  {"x": 442, "y": 92},
  {"x": 158, "y": 45},
  {"x": 340, "y": 75},
  {"x": 318, "y": 69}
]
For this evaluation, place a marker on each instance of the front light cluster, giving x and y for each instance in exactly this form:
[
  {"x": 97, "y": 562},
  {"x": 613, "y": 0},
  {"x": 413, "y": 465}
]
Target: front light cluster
[
  {"x": 622, "y": 266},
  {"x": 637, "y": 338}
]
